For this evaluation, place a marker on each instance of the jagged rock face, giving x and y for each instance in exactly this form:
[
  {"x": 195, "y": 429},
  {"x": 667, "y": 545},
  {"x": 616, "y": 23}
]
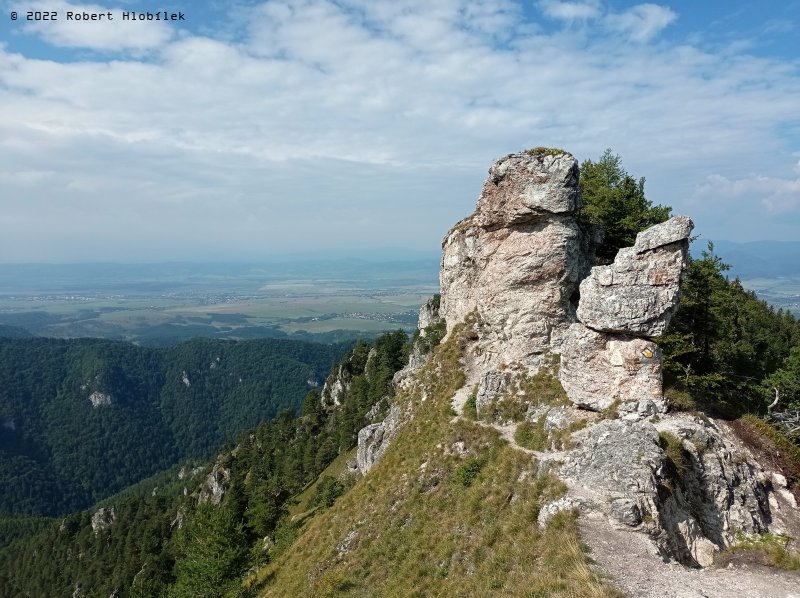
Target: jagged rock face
[
  {"x": 636, "y": 296},
  {"x": 692, "y": 510},
  {"x": 102, "y": 519},
  {"x": 638, "y": 293},
  {"x": 720, "y": 492},
  {"x": 215, "y": 486},
  {"x": 373, "y": 440},
  {"x": 522, "y": 187},
  {"x": 518, "y": 260},
  {"x": 335, "y": 387},
  {"x": 493, "y": 384},
  {"x": 598, "y": 369},
  {"x": 428, "y": 314}
]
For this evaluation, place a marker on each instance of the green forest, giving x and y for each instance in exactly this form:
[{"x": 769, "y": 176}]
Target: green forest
[
  {"x": 147, "y": 552},
  {"x": 82, "y": 419}
]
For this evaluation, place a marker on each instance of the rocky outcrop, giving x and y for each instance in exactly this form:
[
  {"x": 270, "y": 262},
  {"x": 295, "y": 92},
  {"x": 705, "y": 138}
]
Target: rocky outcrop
[
  {"x": 429, "y": 314},
  {"x": 100, "y": 399},
  {"x": 518, "y": 259},
  {"x": 102, "y": 519},
  {"x": 493, "y": 385},
  {"x": 683, "y": 482},
  {"x": 335, "y": 387},
  {"x": 608, "y": 358},
  {"x": 518, "y": 262},
  {"x": 600, "y": 369},
  {"x": 374, "y": 439},
  {"x": 638, "y": 293},
  {"x": 215, "y": 485}
]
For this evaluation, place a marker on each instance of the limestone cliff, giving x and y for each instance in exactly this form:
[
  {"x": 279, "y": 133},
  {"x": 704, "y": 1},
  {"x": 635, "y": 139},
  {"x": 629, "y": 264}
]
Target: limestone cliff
[
  {"x": 519, "y": 258},
  {"x": 521, "y": 263}
]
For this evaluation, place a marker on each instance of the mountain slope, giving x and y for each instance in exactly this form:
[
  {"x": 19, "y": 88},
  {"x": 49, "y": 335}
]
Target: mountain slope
[
  {"x": 81, "y": 419},
  {"x": 450, "y": 510}
]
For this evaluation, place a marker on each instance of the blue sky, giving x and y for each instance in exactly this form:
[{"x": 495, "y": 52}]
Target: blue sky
[{"x": 255, "y": 129}]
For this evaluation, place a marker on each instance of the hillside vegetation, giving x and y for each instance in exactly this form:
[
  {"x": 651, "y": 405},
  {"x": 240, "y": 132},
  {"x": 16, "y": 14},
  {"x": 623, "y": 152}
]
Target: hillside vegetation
[
  {"x": 82, "y": 419},
  {"x": 450, "y": 510},
  {"x": 170, "y": 536}
]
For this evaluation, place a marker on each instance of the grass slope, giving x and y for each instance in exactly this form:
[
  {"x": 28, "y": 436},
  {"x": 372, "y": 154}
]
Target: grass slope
[{"x": 433, "y": 519}]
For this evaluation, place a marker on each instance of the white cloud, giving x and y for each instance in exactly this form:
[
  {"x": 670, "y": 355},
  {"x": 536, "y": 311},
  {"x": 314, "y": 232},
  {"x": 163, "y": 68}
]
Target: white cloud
[
  {"x": 642, "y": 22},
  {"x": 104, "y": 34},
  {"x": 358, "y": 123},
  {"x": 777, "y": 195},
  {"x": 570, "y": 11}
]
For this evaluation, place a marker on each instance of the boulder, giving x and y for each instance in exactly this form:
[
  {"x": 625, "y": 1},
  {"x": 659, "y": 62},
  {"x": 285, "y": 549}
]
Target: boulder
[
  {"x": 638, "y": 293},
  {"x": 523, "y": 187},
  {"x": 692, "y": 508},
  {"x": 599, "y": 369}
]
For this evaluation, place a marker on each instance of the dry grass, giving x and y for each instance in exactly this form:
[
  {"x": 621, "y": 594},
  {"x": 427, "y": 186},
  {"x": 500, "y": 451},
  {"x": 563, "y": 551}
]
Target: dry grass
[
  {"x": 768, "y": 549},
  {"x": 418, "y": 527}
]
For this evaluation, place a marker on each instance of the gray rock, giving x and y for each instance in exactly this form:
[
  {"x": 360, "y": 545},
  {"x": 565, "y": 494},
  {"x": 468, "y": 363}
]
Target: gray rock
[
  {"x": 550, "y": 510},
  {"x": 100, "y": 399},
  {"x": 638, "y": 293},
  {"x": 675, "y": 230},
  {"x": 626, "y": 511},
  {"x": 347, "y": 542},
  {"x": 518, "y": 260},
  {"x": 335, "y": 386},
  {"x": 102, "y": 519},
  {"x": 215, "y": 485},
  {"x": 524, "y": 186},
  {"x": 493, "y": 384},
  {"x": 374, "y": 439},
  {"x": 694, "y": 508},
  {"x": 598, "y": 369},
  {"x": 428, "y": 314}
]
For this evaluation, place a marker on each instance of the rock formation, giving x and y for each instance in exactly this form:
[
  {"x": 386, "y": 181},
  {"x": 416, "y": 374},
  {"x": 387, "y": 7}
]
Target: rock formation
[
  {"x": 518, "y": 262},
  {"x": 215, "y": 485},
  {"x": 602, "y": 361},
  {"x": 519, "y": 258},
  {"x": 638, "y": 293},
  {"x": 692, "y": 508},
  {"x": 373, "y": 440},
  {"x": 102, "y": 519}
]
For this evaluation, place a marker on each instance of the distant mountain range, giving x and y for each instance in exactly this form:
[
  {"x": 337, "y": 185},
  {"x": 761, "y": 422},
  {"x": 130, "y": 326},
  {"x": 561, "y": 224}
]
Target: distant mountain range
[{"x": 757, "y": 259}]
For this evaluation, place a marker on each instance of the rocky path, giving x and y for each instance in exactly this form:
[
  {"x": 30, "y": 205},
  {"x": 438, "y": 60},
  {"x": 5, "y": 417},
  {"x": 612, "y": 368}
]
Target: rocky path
[{"x": 639, "y": 571}]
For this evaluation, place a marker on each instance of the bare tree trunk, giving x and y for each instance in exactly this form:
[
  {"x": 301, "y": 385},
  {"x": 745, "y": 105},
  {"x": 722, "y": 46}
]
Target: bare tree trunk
[{"x": 775, "y": 402}]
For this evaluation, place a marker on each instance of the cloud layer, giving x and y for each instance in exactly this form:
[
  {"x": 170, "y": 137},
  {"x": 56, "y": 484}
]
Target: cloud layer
[{"x": 312, "y": 124}]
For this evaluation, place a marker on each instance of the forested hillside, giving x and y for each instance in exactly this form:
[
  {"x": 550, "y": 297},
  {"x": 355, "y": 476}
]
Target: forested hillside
[
  {"x": 150, "y": 545},
  {"x": 82, "y": 419}
]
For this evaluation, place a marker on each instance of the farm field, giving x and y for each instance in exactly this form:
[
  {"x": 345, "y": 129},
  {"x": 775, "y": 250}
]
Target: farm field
[{"x": 163, "y": 303}]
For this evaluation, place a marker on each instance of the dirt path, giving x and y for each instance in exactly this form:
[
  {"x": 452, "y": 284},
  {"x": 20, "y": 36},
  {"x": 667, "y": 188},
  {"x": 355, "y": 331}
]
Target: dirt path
[{"x": 640, "y": 572}]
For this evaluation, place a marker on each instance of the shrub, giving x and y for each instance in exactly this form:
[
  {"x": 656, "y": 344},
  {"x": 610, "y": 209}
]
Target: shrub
[
  {"x": 470, "y": 407},
  {"x": 467, "y": 472}
]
